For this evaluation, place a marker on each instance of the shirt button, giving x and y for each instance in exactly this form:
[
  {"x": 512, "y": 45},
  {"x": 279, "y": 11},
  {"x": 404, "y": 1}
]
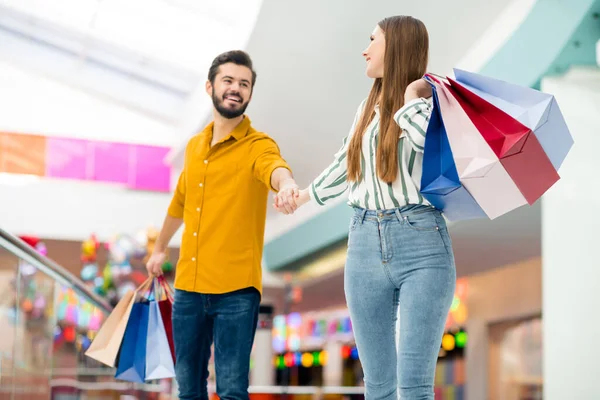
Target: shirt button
[
  {"x": 200, "y": 185},
  {"x": 193, "y": 258},
  {"x": 195, "y": 233},
  {"x": 198, "y": 209},
  {"x": 205, "y": 161}
]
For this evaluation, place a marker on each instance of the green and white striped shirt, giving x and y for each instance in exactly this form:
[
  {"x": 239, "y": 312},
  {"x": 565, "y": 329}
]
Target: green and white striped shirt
[{"x": 371, "y": 192}]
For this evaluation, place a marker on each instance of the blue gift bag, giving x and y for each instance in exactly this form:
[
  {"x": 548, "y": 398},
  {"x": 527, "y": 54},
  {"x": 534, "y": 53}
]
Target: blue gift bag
[
  {"x": 131, "y": 365},
  {"x": 440, "y": 183}
]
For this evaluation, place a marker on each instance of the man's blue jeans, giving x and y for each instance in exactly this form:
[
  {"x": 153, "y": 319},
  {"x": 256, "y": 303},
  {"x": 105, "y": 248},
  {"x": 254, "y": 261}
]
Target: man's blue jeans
[{"x": 230, "y": 321}]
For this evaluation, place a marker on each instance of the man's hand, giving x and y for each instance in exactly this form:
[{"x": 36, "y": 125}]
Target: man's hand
[
  {"x": 155, "y": 263},
  {"x": 302, "y": 198},
  {"x": 285, "y": 200},
  {"x": 417, "y": 89}
]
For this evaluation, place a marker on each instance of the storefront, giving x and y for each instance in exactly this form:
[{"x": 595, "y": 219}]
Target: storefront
[{"x": 318, "y": 348}]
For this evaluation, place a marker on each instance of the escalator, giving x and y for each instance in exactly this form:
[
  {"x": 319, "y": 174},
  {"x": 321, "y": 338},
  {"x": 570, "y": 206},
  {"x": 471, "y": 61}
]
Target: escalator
[{"x": 48, "y": 318}]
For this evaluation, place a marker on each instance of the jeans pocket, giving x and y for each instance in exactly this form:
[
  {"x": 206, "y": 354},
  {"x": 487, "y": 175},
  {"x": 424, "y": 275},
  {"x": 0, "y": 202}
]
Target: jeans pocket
[
  {"x": 447, "y": 240},
  {"x": 426, "y": 221}
]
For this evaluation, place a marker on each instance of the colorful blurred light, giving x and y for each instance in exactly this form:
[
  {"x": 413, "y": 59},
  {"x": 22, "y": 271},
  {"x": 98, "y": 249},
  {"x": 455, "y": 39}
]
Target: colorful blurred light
[
  {"x": 307, "y": 360},
  {"x": 289, "y": 360},
  {"x": 315, "y": 357},
  {"x": 346, "y": 352},
  {"x": 323, "y": 357},
  {"x": 69, "y": 334},
  {"x": 460, "y": 315},
  {"x": 455, "y": 303},
  {"x": 294, "y": 320},
  {"x": 280, "y": 362},
  {"x": 448, "y": 342},
  {"x": 461, "y": 339}
]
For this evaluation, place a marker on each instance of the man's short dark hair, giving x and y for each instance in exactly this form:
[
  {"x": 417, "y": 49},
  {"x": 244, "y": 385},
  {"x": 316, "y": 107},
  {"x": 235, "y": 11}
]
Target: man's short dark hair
[{"x": 237, "y": 57}]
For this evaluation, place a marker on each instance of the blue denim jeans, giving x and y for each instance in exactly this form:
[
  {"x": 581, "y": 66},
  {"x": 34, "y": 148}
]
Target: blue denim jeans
[
  {"x": 399, "y": 259},
  {"x": 230, "y": 320}
]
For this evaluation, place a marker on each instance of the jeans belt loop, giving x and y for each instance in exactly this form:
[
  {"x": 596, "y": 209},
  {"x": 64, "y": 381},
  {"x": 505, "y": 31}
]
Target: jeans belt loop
[
  {"x": 363, "y": 216},
  {"x": 398, "y": 214}
]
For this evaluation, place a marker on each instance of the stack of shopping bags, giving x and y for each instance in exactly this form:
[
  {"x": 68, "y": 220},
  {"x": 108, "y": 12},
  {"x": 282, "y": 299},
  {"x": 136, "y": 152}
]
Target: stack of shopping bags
[
  {"x": 137, "y": 337},
  {"x": 490, "y": 146}
]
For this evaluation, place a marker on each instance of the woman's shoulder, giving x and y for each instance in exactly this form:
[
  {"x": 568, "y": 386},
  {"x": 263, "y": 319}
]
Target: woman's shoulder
[{"x": 361, "y": 106}]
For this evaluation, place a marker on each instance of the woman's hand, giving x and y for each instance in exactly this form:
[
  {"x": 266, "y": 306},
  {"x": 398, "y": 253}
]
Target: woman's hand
[
  {"x": 417, "y": 89},
  {"x": 281, "y": 201}
]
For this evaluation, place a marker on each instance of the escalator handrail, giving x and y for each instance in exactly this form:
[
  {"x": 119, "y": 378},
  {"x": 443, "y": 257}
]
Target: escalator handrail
[{"x": 24, "y": 251}]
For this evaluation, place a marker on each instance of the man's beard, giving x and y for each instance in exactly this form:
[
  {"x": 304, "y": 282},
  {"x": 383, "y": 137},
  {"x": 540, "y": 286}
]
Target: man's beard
[{"x": 225, "y": 111}]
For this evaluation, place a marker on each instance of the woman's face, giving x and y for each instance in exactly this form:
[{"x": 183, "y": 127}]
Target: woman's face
[{"x": 374, "y": 54}]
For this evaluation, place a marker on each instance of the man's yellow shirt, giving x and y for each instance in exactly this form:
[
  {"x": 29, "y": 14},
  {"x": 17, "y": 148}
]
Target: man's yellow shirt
[{"x": 222, "y": 197}]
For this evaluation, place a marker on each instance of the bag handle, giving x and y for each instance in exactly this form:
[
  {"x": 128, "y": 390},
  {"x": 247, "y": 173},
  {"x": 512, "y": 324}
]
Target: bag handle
[
  {"x": 167, "y": 288},
  {"x": 435, "y": 78}
]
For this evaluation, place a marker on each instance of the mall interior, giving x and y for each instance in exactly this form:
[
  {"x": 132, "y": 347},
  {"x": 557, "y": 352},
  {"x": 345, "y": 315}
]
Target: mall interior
[{"x": 98, "y": 99}]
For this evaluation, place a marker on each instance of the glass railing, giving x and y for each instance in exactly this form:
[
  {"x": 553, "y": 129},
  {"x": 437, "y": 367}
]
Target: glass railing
[{"x": 48, "y": 318}]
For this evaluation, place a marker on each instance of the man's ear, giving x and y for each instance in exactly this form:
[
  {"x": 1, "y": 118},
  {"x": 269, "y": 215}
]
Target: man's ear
[{"x": 209, "y": 88}]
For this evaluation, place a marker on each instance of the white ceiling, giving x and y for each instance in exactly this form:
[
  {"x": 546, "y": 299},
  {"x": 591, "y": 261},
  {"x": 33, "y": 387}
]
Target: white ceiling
[
  {"x": 147, "y": 55},
  {"x": 172, "y": 31}
]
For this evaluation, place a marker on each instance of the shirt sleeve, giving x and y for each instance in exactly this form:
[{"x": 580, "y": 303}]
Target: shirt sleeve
[
  {"x": 413, "y": 119},
  {"x": 266, "y": 159},
  {"x": 333, "y": 181},
  {"x": 178, "y": 201}
]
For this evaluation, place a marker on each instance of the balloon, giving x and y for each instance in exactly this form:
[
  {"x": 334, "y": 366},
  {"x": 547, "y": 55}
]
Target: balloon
[
  {"x": 39, "y": 303},
  {"x": 27, "y": 305},
  {"x": 121, "y": 249},
  {"x": 100, "y": 291},
  {"x": 99, "y": 281},
  {"x": 124, "y": 288},
  {"x": 107, "y": 276},
  {"x": 89, "y": 249},
  {"x": 89, "y": 272},
  {"x": 42, "y": 249}
]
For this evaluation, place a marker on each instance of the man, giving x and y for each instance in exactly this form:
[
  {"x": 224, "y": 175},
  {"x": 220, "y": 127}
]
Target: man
[{"x": 221, "y": 199}]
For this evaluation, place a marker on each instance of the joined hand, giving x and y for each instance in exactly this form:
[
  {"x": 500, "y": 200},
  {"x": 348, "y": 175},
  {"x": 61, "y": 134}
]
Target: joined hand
[{"x": 285, "y": 199}]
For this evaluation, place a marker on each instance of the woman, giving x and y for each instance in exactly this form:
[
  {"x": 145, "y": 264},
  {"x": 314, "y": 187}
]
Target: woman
[{"x": 399, "y": 250}]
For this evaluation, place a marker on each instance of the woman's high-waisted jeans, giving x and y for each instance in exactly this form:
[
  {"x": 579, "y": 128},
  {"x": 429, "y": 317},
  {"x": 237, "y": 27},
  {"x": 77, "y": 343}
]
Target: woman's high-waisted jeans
[{"x": 402, "y": 259}]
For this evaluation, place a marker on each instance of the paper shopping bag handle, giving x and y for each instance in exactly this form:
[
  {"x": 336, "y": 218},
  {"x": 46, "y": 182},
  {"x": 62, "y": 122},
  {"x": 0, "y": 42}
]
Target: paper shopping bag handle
[{"x": 435, "y": 77}]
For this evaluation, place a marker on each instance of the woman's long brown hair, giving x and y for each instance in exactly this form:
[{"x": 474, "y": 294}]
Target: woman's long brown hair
[{"x": 405, "y": 61}]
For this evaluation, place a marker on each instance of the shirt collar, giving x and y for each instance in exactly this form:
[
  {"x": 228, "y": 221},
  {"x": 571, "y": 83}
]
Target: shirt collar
[
  {"x": 242, "y": 129},
  {"x": 237, "y": 133}
]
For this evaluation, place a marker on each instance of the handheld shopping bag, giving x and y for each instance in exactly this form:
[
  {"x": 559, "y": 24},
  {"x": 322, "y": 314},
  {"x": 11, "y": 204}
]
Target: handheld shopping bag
[
  {"x": 159, "y": 359},
  {"x": 166, "y": 312},
  {"x": 131, "y": 364},
  {"x": 440, "y": 183},
  {"x": 536, "y": 110},
  {"x": 479, "y": 169},
  {"x": 105, "y": 346},
  {"x": 514, "y": 144}
]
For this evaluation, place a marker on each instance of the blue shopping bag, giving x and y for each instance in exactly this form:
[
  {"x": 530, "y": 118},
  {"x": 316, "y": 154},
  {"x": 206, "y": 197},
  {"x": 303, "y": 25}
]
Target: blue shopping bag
[
  {"x": 536, "y": 110},
  {"x": 131, "y": 365},
  {"x": 440, "y": 183}
]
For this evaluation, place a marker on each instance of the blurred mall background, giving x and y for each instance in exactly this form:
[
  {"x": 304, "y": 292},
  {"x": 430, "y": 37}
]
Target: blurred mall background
[{"x": 97, "y": 101}]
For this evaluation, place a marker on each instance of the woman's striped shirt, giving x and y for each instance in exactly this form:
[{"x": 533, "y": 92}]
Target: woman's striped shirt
[{"x": 371, "y": 192}]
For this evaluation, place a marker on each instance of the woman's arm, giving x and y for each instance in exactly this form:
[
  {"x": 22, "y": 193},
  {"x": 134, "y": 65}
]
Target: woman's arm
[
  {"x": 333, "y": 182},
  {"x": 413, "y": 117}
]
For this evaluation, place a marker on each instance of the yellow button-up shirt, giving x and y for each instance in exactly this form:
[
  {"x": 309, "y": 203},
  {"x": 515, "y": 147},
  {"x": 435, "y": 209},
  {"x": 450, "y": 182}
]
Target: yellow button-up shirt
[{"x": 222, "y": 197}]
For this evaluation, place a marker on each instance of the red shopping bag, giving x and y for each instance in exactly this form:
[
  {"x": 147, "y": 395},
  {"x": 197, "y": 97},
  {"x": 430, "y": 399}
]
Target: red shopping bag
[
  {"x": 166, "y": 311},
  {"x": 517, "y": 148}
]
